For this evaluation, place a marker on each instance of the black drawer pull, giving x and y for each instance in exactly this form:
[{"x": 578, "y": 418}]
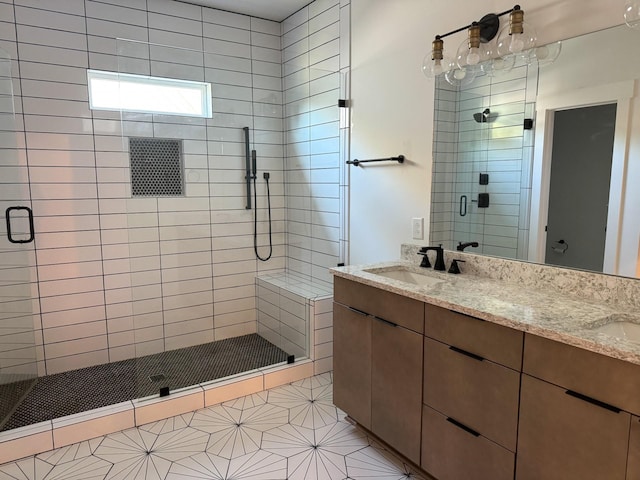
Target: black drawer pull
[
  {"x": 463, "y": 427},
  {"x": 593, "y": 401},
  {"x": 386, "y": 321},
  {"x": 468, "y": 354},
  {"x": 359, "y": 312}
]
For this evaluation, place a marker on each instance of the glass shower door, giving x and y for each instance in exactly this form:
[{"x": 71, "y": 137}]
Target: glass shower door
[{"x": 18, "y": 369}]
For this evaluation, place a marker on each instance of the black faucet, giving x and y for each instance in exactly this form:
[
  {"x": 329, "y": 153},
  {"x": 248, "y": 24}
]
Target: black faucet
[
  {"x": 439, "y": 258},
  {"x": 461, "y": 246}
]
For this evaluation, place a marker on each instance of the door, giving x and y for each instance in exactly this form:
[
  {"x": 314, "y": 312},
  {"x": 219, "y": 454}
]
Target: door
[
  {"x": 563, "y": 435},
  {"x": 17, "y": 342},
  {"x": 352, "y": 363},
  {"x": 579, "y": 189},
  {"x": 396, "y": 387}
]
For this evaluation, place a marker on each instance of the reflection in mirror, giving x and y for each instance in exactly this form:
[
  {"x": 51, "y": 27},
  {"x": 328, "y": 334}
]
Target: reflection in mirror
[{"x": 563, "y": 196}]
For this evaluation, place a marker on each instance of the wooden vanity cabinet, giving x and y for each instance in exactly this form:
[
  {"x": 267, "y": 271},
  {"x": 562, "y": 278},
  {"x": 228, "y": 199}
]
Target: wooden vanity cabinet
[
  {"x": 396, "y": 387},
  {"x": 378, "y": 362},
  {"x": 633, "y": 462},
  {"x": 564, "y": 437},
  {"x": 574, "y": 420},
  {"x": 471, "y": 396},
  {"x": 449, "y": 452},
  {"x": 475, "y": 392},
  {"x": 352, "y": 363}
]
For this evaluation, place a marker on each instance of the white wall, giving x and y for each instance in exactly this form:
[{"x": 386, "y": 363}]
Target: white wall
[{"x": 392, "y": 102}]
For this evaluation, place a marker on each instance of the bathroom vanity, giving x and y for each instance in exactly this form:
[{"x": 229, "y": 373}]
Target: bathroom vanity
[{"x": 478, "y": 378}]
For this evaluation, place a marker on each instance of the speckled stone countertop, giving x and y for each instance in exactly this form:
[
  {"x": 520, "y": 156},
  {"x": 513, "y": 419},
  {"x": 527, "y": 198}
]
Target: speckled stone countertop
[{"x": 554, "y": 315}]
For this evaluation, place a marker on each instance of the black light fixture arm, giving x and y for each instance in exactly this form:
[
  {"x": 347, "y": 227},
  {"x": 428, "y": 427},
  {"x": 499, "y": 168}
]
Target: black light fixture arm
[{"x": 489, "y": 24}]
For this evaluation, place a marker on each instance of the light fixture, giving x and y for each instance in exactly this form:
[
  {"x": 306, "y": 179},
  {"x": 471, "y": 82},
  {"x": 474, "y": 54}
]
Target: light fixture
[
  {"x": 470, "y": 52},
  {"x": 545, "y": 54},
  {"x": 437, "y": 63},
  {"x": 498, "y": 66},
  {"x": 461, "y": 77},
  {"x": 632, "y": 13},
  {"x": 476, "y": 54},
  {"x": 517, "y": 37}
]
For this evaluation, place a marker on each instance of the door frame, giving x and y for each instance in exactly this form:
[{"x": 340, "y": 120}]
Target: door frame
[{"x": 620, "y": 93}]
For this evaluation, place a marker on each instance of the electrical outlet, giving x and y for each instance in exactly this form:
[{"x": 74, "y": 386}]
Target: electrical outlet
[{"x": 417, "y": 227}]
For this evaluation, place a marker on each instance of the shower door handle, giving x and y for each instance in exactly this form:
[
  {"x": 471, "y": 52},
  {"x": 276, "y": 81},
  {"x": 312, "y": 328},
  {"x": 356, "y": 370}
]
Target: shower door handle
[
  {"x": 31, "y": 227},
  {"x": 463, "y": 205}
]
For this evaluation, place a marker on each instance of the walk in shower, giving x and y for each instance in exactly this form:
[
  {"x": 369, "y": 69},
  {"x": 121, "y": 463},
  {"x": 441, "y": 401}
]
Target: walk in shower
[
  {"x": 143, "y": 269},
  {"x": 483, "y": 153}
]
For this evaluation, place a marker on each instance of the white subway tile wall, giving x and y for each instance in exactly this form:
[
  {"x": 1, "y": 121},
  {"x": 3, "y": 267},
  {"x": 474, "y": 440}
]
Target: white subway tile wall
[
  {"x": 464, "y": 148},
  {"x": 314, "y": 69},
  {"x": 117, "y": 277}
]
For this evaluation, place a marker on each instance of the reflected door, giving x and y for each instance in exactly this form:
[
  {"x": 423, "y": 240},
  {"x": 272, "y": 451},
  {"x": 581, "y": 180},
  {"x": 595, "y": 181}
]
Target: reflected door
[
  {"x": 579, "y": 189},
  {"x": 18, "y": 368}
]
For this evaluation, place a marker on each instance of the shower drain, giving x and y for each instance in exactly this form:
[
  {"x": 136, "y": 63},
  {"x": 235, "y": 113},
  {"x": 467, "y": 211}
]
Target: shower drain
[{"x": 158, "y": 377}]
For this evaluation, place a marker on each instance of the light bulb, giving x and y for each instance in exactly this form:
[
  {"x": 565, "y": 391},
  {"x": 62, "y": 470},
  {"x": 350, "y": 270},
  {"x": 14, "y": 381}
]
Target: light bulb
[
  {"x": 517, "y": 43},
  {"x": 470, "y": 58},
  {"x": 517, "y": 37},
  {"x": 632, "y": 13},
  {"x": 461, "y": 77},
  {"x": 473, "y": 57},
  {"x": 434, "y": 68},
  {"x": 496, "y": 67},
  {"x": 545, "y": 54}
]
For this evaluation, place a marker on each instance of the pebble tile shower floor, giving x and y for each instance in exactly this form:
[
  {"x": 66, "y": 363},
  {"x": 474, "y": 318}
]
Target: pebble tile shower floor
[
  {"x": 80, "y": 390},
  {"x": 291, "y": 432}
]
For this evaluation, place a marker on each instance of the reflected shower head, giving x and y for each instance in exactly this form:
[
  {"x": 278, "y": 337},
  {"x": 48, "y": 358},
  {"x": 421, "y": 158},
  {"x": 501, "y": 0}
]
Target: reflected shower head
[{"x": 482, "y": 117}]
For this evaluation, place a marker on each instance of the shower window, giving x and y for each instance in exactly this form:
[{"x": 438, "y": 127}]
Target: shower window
[{"x": 141, "y": 93}]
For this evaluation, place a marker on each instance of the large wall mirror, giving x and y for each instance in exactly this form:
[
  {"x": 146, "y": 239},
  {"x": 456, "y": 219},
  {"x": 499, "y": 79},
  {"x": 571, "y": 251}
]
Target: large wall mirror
[{"x": 542, "y": 163}]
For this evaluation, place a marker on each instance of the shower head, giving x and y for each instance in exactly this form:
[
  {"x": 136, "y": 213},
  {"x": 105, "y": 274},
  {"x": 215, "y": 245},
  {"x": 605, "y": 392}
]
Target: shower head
[{"x": 482, "y": 117}]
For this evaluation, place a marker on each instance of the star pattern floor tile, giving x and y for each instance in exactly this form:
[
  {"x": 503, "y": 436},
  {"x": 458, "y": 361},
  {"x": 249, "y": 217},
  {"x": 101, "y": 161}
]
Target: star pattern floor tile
[{"x": 293, "y": 432}]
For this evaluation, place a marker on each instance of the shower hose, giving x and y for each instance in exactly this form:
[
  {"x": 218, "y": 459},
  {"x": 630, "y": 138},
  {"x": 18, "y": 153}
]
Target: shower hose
[{"x": 255, "y": 218}]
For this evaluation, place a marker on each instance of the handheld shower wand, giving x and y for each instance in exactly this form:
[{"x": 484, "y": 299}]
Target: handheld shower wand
[{"x": 266, "y": 176}]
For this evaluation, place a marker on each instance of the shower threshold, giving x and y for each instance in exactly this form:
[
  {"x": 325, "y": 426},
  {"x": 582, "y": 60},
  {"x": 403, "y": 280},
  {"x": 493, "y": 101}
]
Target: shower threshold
[{"x": 68, "y": 393}]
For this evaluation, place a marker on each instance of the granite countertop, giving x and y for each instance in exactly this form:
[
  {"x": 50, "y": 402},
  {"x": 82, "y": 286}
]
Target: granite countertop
[{"x": 557, "y": 316}]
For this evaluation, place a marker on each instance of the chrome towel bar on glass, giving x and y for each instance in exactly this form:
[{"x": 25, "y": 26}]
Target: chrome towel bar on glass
[{"x": 356, "y": 162}]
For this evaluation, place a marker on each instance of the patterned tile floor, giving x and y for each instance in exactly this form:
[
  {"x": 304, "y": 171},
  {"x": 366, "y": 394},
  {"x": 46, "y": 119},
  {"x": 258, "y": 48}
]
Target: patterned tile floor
[{"x": 290, "y": 432}]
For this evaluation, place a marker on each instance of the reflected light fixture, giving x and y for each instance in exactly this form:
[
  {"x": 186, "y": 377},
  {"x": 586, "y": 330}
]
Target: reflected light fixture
[
  {"x": 632, "y": 13},
  {"x": 476, "y": 54},
  {"x": 545, "y": 54}
]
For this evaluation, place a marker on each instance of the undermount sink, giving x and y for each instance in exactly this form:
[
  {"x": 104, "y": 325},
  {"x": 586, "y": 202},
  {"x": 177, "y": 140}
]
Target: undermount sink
[
  {"x": 408, "y": 277},
  {"x": 622, "y": 326}
]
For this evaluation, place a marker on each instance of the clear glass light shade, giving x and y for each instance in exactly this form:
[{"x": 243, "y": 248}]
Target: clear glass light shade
[
  {"x": 632, "y": 13},
  {"x": 496, "y": 67},
  {"x": 472, "y": 57},
  {"x": 461, "y": 77},
  {"x": 517, "y": 43},
  {"x": 545, "y": 54},
  {"x": 435, "y": 68}
]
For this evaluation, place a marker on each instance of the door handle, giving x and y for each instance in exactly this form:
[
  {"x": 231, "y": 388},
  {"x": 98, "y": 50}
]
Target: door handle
[
  {"x": 463, "y": 205},
  {"x": 31, "y": 227}
]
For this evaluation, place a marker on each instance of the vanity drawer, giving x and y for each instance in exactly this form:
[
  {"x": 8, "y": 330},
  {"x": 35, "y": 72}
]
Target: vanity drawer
[
  {"x": 403, "y": 311},
  {"x": 481, "y": 394},
  {"x": 494, "y": 342},
  {"x": 600, "y": 377},
  {"x": 451, "y": 452}
]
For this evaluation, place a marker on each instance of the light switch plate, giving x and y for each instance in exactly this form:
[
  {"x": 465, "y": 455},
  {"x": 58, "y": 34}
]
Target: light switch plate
[{"x": 417, "y": 227}]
